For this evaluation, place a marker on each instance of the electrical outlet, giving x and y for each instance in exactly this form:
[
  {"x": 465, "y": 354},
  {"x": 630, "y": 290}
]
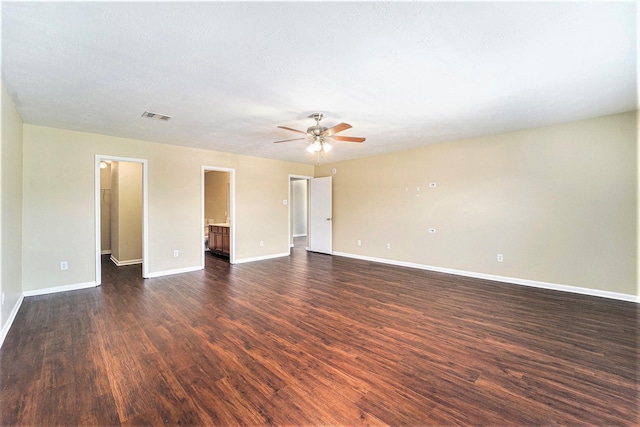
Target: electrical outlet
[
  {"x": 64, "y": 265},
  {"x": 359, "y": 242},
  {"x": 388, "y": 245},
  {"x": 500, "y": 258},
  {"x": 261, "y": 243},
  {"x": 175, "y": 253}
]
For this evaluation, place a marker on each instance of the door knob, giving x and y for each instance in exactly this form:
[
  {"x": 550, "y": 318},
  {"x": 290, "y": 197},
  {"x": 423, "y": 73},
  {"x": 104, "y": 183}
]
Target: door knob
[{"x": 328, "y": 219}]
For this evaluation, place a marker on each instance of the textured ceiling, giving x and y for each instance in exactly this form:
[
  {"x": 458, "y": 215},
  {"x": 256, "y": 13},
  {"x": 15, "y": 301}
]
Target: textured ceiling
[{"x": 403, "y": 74}]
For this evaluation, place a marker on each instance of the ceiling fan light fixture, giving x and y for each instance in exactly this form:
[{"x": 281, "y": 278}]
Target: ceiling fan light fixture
[
  {"x": 315, "y": 146},
  {"x": 319, "y": 146}
]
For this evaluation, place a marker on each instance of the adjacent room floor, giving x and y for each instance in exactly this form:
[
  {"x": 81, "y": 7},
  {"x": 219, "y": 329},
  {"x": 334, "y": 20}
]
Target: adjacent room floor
[{"x": 318, "y": 340}]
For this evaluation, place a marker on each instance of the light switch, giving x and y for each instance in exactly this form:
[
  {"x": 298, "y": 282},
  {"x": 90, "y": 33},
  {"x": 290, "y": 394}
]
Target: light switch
[{"x": 285, "y": 202}]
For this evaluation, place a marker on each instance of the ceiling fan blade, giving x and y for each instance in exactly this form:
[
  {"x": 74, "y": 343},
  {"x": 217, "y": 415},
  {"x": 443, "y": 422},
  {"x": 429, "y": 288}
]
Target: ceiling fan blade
[
  {"x": 294, "y": 130},
  {"x": 348, "y": 138},
  {"x": 286, "y": 140},
  {"x": 337, "y": 128}
]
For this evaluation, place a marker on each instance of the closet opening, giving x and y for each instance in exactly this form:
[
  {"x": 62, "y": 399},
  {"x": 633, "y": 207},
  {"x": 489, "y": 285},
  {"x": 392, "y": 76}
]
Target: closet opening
[{"x": 121, "y": 212}]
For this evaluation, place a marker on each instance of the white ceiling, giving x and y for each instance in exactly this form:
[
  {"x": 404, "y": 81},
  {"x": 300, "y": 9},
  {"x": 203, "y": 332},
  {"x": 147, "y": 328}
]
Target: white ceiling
[{"x": 403, "y": 74}]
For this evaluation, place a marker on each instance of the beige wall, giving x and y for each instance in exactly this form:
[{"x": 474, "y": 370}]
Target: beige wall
[
  {"x": 559, "y": 202},
  {"x": 126, "y": 212},
  {"x": 11, "y": 208},
  {"x": 263, "y": 190},
  {"x": 59, "y": 191},
  {"x": 215, "y": 195}
]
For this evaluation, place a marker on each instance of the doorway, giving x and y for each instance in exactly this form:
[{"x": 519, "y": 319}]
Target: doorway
[
  {"x": 121, "y": 187},
  {"x": 218, "y": 213},
  {"x": 298, "y": 210}
]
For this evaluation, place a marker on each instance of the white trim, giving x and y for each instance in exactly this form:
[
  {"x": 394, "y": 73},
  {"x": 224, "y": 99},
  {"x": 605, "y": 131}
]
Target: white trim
[
  {"x": 145, "y": 212},
  {"x": 512, "y": 280},
  {"x": 171, "y": 272},
  {"x": 232, "y": 208},
  {"x": 127, "y": 262},
  {"x": 107, "y": 252},
  {"x": 262, "y": 258},
  {"x": 63, "y": 288},
  {"x": 12, "y": 317},
  {"x": 300, "y": 235}
]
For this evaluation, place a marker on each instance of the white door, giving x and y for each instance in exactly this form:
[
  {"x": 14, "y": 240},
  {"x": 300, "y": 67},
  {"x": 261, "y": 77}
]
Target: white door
[{"x": 320, "y": 221}]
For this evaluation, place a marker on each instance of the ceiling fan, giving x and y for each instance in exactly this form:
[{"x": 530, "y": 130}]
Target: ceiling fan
[{"x": 319, "y": 136}]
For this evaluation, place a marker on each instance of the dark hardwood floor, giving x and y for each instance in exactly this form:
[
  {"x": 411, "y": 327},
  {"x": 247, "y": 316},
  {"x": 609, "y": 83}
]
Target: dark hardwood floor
[{"x": 318, "y": 340}]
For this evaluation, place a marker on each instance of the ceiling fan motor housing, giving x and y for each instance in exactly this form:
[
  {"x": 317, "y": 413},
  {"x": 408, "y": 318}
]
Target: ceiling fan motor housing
[{"x": 316, "y": 130}]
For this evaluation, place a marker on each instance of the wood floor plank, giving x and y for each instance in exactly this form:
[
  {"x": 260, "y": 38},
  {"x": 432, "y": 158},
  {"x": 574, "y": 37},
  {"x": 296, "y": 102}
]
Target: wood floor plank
[{"x": 313, "y": 339}]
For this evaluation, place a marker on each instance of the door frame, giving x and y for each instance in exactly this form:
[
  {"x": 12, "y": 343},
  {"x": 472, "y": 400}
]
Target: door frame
[
  {"x": 232, "y": 209},
  {"x": 291, "y": 179},
  {"x": 145, "y": 212}
]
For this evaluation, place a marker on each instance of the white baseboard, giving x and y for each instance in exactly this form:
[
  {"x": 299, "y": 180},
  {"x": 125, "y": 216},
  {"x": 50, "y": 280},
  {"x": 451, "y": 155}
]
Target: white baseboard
[
  {"x": 170, "y": 272},
  {"x": 261, "y": 258},
  {"x": 12, "y": 317},
  {"x": 106, "y": 252},
  {"x": 63, "y": 288},
  {"x": 512, "y": 280},
  {"x": 127, "y": 262},
  {"x": 300, "y": 235}
]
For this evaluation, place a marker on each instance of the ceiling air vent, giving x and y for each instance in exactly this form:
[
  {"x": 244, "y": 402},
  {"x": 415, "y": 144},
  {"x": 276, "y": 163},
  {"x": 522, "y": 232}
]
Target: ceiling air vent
[{"x": 156, "y": 116}]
